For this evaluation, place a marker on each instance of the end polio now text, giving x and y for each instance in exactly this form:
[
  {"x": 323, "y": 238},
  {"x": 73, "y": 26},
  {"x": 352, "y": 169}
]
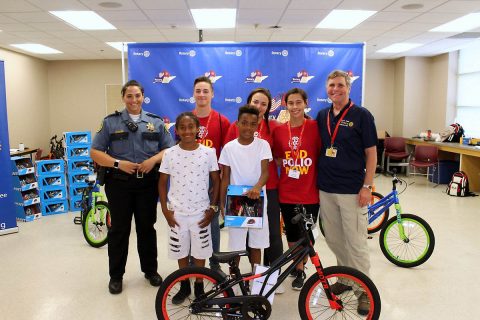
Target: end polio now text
[{"x": 301, "y": 163}]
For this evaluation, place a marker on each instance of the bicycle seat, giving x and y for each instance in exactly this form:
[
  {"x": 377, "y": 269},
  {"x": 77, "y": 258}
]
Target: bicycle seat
[{"x": 224, "y": 257}]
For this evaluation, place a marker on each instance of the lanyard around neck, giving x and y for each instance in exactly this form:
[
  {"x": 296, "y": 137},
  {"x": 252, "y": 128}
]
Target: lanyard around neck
[{"x": 332, "y": 137}]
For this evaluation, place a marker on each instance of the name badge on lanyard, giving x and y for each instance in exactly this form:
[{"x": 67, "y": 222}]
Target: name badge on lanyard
[
  {"x": 294, "y": 174},
  {"x": 331, "y": 152}
]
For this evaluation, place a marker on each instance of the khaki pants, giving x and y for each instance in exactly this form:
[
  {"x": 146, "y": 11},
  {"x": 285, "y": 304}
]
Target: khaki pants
[{"x": 345, "y": 226}]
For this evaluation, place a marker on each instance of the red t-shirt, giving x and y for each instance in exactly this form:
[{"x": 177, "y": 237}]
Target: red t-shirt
[
  {"x": 303, "y": 190},
  {"x": 262, "y": 133},
  {"x": 213, "y": 131}
]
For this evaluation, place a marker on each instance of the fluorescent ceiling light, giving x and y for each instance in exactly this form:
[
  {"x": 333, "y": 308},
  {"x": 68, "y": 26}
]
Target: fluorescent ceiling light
[
  {"x": 84, "y": 20},
  {"x": 465, "y": 23},
  {"x": 344, "y": 19},
  {"x": 214, "y": 18},
  {"x": 119, "y": 45},
  {"x": 399, "y": 47},
  {"x": 36, "y": 48}
]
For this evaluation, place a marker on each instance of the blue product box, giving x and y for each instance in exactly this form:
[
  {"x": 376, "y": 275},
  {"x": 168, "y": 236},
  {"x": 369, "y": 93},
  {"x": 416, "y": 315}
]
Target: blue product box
[
  {"x": 80, "y": 164},
  {"x": 28, "y": 213},
  {"x": 76, "y": 151},
  {"x": 53, "y": 193},
  {"x": 76, "y": 189},
  {"x": 50, "y": 166},
  {"x": 22, "y": 166},
  {"x": 241, "y": 211},
  {"x": 54, "y": 207},
  {"x": 76, "y": 178},
  {"x": 51, "y": 179},
  {"x": 75, "y": 203},
  {"x": 25, "y": 182},
  {"x": 77, "y": 137},
  {"x": 27, "y": 198}
]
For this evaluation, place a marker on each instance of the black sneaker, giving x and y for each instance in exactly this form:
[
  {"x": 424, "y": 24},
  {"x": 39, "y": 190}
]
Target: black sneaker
[
  {"x": 297, "y": 283},
  {"x": 183, "y": 293},
  {"x": 155, "y": 279},
  {"x": 115, "y": 286}
]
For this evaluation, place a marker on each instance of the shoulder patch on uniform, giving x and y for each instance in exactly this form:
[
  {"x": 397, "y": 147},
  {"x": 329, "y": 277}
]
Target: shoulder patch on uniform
[
  {"x": 153, "y": 115},
  {"x": 101, "y": 127},
  {"x": 116, "y": 113}
]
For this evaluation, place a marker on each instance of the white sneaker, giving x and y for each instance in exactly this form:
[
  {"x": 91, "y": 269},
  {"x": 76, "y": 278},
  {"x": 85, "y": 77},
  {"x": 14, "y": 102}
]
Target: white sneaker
[{"x": 280, "y": 289}]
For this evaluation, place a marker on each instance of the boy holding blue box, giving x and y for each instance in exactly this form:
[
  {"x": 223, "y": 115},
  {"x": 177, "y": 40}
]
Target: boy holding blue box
[{"x": 245, "y": 162}]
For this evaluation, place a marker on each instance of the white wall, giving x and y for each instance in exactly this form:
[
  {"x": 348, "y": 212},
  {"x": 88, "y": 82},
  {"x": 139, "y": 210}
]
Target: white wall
[{"x": 27, "y": 100}]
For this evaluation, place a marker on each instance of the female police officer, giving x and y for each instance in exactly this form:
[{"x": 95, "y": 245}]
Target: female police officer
[{"x": 130, "y": 145}]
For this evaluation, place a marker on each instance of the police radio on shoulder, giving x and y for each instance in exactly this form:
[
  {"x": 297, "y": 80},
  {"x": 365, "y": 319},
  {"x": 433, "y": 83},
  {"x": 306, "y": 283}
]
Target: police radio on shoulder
[{"x": 116, "y": 164}]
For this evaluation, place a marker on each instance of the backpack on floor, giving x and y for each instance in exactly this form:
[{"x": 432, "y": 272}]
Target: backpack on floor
[
  {"x": 459, "y": 185},
  {"x": 456, "y": 132}
]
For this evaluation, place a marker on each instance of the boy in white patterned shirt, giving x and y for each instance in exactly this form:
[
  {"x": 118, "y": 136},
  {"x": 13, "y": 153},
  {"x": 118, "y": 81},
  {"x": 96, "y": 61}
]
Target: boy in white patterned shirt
[{"x": 188, "y": 167}]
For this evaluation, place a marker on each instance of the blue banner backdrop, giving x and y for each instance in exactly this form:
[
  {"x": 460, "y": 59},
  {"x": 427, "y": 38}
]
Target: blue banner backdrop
[
  {"x": 8, "y": 223},
  {"x": 167, "y": 71}
]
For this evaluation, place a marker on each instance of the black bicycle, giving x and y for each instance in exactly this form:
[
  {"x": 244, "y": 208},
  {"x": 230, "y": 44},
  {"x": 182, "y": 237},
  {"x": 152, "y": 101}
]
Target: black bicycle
[{"x": 318, "y": 299}]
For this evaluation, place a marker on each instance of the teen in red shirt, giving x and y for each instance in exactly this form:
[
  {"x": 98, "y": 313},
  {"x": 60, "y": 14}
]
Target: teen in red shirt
[
  {"x": 296, "y": 146},
  {"x": 213, "y": 129}
]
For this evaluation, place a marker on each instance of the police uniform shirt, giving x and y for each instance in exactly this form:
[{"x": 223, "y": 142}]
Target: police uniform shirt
[
  {"x": 345, "y": 173},
  {"x": 115, "y": 137}
]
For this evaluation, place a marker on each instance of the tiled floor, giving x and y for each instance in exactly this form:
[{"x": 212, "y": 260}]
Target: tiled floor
[{"x": 47, "y": 271}]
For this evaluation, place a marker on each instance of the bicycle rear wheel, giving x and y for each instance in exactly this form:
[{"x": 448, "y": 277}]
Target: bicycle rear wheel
[
  {"x": 314, "y": 304},
  {"x": 167, "y": 310},
  {"x": 413, "y": 251},
  {"x": 96, "y": 224},
  {"x": 377, "y": 224}
]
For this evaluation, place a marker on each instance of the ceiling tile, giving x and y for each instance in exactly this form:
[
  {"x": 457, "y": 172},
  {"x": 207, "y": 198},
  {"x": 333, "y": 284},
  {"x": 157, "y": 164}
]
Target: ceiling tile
[
  {"x": 202, "y": 4},
  {"x": 393, "y": 16},
  {"x": 302, "y": 18},
  {"x": 266, "y": 17},
  {"x": 375, "y": 5},
  {"x": 264, "y": 4},
  {"x": 458, "y": 7},
  {"x": 252, "y": 38},
  {"x": 167, "y": 18},
  {"x": 437, "y": 18},
  {"x": 122, "y": 15},
  {"x": 38, "y": 16},
  {"x": 95, "y": 5},
  {"x": 52, "y": 26},
  {"x": 16, "y": 6},
  {"x": 314, "y": 4},
  {"x": 427, "y": 5},
  {"x": 15, "y": 27},
  {"x": 162, "y": 5},
  {"x": 53, "y": 5}
]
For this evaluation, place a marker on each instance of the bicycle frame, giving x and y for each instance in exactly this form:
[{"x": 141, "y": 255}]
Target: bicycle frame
[
  {"x": 297, "y": 253},
  {"x": 385, "y": 203}
]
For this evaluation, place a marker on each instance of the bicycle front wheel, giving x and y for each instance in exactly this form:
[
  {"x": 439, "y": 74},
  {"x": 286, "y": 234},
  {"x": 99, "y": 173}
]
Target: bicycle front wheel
[
  {"x": 314, "y": 304},
  {"x": 415, "y": 249},
  {"x": 96, "y": 224},
  {"x": 377, "y": 224},
  {"x": 166, "y": 309}
]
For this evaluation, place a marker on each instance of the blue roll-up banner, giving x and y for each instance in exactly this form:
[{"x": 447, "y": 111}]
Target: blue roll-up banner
[
  {"x": 167, "y": 72},
  {"x": 8, "y": 223}
]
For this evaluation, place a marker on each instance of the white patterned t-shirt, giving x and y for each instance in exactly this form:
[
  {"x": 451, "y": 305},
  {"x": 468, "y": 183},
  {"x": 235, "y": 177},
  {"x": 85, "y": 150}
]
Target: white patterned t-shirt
[{"x": 189, "y": 172}]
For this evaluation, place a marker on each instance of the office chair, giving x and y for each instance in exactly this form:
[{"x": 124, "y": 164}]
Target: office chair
[
  {"x": 425, "y": 157},
  {"x": 395, "y": 149}
]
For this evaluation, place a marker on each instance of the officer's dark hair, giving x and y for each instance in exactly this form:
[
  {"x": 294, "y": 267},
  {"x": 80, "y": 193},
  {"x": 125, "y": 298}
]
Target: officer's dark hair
[
  {"x": 266, "y": 93},
  {"x": 203, "y": 79},
  {"x": 187, "y": 115},
  {"x": 132, "y": 83},
  {"x": 302, "y": 93},
  {"x": 248, "y": 109}
]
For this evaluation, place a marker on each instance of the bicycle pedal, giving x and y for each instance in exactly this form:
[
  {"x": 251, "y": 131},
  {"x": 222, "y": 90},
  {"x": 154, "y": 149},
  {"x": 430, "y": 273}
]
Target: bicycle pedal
[{"x": 77, "y": 220}]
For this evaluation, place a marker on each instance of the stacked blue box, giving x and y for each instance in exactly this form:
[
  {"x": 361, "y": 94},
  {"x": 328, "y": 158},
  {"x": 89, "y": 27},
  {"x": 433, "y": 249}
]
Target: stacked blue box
[
  {"x": 27, "y": 199},
  {"x": 79, "y": 165},
  {"x": 77, "y": 137},
  {"x": 53, "y": 187}
]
